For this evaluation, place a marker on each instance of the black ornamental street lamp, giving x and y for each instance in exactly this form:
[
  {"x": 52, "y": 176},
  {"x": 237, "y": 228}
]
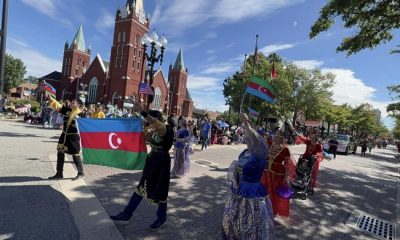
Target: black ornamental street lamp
[{"x": 152, "y": 58}]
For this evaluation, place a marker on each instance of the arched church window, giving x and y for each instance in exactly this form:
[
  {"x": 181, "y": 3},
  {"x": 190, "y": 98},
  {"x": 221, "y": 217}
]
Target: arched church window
[
  {"x": 157, "y": 99},
  {"x": 119, "y": 37},
  {"x": 92, "y": 93}
]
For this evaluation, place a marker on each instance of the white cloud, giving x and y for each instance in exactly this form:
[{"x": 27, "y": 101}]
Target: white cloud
[
  {"x": 275, "y": 48},
  {"x": 52, "y": 8},
  {"x": 352, "y": 90},
  {"x": 218, "y": 69},
  {"x": 198, "y": 82},
  {"x": 18, "y": 42},
  {"x": 47, "y": 7},
  {"x": 295, "y": 24},
  {"x": 218, "y": 12},
  {"x": 37, "y": 64},
  {"x": 105, "y": 22},
  {"x": 309, "y": 64}
]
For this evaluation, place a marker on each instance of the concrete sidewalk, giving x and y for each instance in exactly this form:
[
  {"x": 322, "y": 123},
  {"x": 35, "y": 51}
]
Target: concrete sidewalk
[{"x": 32, "y": 207}]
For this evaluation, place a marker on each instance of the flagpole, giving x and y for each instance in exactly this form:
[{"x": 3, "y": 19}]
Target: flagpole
[
  {"x": 255, "y": 62},
  {"x": 243, "y": 93}
]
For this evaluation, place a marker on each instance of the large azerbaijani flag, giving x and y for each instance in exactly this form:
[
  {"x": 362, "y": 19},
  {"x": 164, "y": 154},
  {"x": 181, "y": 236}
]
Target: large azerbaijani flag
[
  {"x": 113, "y": 142},
  {"x": 261, "y": 88}
]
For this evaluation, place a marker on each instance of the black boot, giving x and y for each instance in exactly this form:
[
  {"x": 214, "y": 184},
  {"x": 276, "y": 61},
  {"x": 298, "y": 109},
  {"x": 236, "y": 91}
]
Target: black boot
[
  {"x": 55, "y": 177},
  {"x": 79, "y": 176},
  {"x": 161, "y": 216},
  {"x": 129, "y": 209}
]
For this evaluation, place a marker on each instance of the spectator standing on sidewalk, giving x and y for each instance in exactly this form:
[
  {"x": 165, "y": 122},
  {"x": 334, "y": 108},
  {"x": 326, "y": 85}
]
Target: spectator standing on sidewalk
[
  {"x": 333, "y": 145},
  {"x": 248, "y": 213},
  {"x": 154, "y": 183},
  {"x": 370, "y": 146},
  {"x": 205, "y": 134},
  {"x": 364, "y": 145},
  {"x": 98, "y": 113},
  {"x": 69, "y": 141}
]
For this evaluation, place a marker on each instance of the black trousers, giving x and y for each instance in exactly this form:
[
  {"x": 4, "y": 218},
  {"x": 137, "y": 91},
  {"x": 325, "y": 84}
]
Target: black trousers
[
  {"x": 135, "y": 201},
  {"x": 61, "y": 159}
]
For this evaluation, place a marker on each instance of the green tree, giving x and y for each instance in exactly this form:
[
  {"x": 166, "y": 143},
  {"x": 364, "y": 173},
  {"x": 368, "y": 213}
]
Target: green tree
[
  {"x": 372, "y": 22},
  {"x": 394, "y": 108},
  {"x": 14, "y": 73},
  {"x": 31, "y": 79},
  {"x": 396, "y": 129},
  {"x": 297, "y": 90}
]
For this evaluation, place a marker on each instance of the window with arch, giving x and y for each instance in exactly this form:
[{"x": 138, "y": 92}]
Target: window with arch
[
  {"x": 119, "y": 37},
  {"x": 114, "y": 98},
  {"x": 157, "y": 99},
  {"x": 92, "y": 93}
]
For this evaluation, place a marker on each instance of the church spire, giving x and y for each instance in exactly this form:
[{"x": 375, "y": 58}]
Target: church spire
[
  {"x": 79, "y": 40},
  {"x": 179, "y": 64}
]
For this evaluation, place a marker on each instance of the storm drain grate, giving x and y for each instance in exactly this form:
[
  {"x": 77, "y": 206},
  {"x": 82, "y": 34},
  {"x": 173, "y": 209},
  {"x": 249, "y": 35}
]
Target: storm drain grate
[{"x": 376, "y": 227}]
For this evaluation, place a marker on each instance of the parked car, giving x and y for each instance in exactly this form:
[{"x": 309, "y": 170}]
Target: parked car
[{"x": 346, "y": 145}]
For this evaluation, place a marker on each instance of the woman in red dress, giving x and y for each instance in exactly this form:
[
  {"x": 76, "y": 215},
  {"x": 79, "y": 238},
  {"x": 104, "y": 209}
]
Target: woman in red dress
[
  {"x": 314, "y": 148},
  {"x": 280, "y": 168}
]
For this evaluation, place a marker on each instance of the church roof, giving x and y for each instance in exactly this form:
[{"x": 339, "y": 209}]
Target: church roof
[
  {"x": 53, "y": 76},
  {"x": 79, "y": 40},
  {"x": 179, "y": 64},
  {"x": 187, "y": 96}
]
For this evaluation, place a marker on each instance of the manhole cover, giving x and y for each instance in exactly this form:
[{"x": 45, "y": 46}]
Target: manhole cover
[{"x": 376, "y": 227}]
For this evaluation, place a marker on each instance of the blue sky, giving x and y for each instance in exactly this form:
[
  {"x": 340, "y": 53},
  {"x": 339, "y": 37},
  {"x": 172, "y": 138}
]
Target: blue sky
[{"x": 214, "y": 36}]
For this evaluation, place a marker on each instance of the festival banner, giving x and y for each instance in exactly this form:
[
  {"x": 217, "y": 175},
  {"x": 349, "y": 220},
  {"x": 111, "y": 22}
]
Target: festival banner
[{"x": 113, "y": 142}]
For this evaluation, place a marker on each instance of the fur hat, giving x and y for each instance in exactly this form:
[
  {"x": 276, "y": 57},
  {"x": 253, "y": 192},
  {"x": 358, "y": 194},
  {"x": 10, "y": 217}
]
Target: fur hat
[{"x": 157, "y": 115}]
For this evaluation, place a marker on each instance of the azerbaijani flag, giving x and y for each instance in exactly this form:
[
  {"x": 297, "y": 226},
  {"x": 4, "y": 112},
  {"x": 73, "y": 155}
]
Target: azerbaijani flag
[
  {"x": 50, "y": 89},
  {"x": 261, "y": 88},
  {"x": 113, "y": 142},
  {"x": 253, "y": 113}
]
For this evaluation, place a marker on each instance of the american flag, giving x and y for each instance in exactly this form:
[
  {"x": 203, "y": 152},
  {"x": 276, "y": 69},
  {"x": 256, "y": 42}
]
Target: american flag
[{"x": 145, "y": 89}]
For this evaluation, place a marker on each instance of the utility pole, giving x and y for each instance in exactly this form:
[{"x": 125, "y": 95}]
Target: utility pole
[{"x": 3, "y": 35}]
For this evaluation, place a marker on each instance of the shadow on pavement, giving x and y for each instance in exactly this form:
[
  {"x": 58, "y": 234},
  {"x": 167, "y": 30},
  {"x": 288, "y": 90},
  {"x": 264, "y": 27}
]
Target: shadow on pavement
[
  {"x": 20, "y": 179},
  {"x": 193, "y": 213},
  {"x": 11, "y": 134},
  {"x": 35, "y": 212}
]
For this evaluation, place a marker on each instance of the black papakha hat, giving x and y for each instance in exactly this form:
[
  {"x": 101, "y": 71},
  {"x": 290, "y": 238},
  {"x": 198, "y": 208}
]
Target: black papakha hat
[
  {"x": 157, "y": 115},
  {"x": 79, "y": 101}
]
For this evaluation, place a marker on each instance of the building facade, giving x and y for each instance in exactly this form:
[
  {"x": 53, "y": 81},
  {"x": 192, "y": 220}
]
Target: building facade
[{"x": 117, "y": 81}]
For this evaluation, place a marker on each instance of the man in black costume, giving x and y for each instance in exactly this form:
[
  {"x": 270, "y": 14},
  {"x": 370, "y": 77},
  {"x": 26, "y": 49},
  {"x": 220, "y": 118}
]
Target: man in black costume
[
  {"x": 69, "y": 141},
  {"x": 154, "y": 184}
]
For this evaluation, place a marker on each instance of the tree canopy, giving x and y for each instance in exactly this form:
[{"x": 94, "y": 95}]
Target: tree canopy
[
  {"x": 14, "y": 73},
  {"x": 372, "y": 20}
]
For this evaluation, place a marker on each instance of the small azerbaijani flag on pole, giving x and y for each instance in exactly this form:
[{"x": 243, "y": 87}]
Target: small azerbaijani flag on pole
[
  {"x": 145, "y": 89},
  {"x": 113, "y": 142},
  {"x": 253, "y": 113},
  {"x": 261, "y": 88},
  {"x": 48, "y": 88},
  {"x": 274, "y": 74}
]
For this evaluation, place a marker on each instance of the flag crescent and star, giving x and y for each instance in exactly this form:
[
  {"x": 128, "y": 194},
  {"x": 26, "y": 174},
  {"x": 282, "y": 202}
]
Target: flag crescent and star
[{"x": 110, "y": 141}]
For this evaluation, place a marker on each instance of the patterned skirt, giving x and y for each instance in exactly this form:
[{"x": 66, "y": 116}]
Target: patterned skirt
[
  {"x": 248, "y": 219},
  {"x": 181, "y": 161}
]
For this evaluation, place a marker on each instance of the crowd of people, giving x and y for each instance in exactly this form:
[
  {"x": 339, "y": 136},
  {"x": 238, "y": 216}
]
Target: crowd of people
[{"x": 259, "y": 180}]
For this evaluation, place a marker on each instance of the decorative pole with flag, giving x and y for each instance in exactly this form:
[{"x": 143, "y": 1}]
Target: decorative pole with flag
[
  {"x": 274, "y": 74},
  {"x": 256, "y": 57}
]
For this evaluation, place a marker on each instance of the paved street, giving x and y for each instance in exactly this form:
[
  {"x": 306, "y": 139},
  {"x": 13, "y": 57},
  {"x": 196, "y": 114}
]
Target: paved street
[{"x": 29, "y": 202}]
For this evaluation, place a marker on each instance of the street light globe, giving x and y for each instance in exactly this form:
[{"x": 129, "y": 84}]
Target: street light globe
[
  {"x": 154, "y": 37},
  {"x": 145, "y": 39},
  {"x": 163, "y": 41}
]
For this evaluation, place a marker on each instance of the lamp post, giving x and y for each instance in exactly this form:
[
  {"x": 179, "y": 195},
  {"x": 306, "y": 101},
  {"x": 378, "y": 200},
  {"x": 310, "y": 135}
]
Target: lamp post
[{"x": 152, "y": 58}]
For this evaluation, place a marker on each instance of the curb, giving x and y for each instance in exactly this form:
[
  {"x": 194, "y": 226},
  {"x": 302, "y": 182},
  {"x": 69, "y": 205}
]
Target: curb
[{"x": 90, "y": 217}]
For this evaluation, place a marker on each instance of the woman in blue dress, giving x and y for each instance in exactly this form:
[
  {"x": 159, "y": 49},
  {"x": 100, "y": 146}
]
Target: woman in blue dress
[
  {"x": 248, "y": 213},
  {"x": 181, "y": 156}
]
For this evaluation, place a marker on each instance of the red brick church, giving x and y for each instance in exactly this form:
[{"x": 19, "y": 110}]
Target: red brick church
[{"x": 117, "y": 81}]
